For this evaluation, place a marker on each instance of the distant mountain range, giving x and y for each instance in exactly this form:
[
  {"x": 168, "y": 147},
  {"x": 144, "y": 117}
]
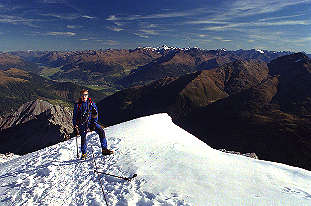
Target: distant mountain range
[{"x": 117, "y": 69}]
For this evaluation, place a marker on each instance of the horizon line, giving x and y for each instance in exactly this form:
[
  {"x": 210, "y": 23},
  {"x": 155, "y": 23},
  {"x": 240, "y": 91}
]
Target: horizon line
[{"x": 149, "y": 47}]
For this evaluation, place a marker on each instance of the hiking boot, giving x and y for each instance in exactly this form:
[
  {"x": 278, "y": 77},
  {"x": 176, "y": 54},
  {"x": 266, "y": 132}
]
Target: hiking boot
[
  {"x": 107, "y": 152},
  {"x": 83, "y": 157}
]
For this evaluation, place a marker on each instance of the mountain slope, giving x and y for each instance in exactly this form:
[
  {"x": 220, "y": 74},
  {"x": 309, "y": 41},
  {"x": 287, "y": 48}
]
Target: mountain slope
[
  {"x": 96, "y": 67},
  {"x": 175, "y": 63},
  {"x": 294, "y": 71},
  {"x": 271, "y": 119},
  {"x": 172, "y": 167},
  {"x": 35, "y": 125},
  {"x": 8, "y": 61},
  {"x": 180, "y": 62},
  {"x": 178, "y": 96},
  {"x": 172, "y": 95},
  {"x": 18, "y": 87}
]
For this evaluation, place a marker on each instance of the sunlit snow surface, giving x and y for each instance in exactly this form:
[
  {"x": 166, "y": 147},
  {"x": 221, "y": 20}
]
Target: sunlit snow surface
[{"x": 173, "y": 168}]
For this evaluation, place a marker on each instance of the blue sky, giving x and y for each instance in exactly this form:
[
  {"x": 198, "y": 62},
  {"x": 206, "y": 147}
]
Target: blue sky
[{"x": 209, "y": 24}]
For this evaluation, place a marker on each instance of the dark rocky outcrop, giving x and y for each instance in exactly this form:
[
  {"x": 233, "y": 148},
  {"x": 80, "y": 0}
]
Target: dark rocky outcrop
[
  {"x": 294, "y": 90},
  {"x": 35, "y": 125},
  {"x": 250, "y": 155}
]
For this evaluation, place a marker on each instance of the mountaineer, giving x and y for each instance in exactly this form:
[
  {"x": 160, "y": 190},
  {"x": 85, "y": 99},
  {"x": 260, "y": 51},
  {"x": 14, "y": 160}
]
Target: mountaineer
[{"x": 85, "y": 116}]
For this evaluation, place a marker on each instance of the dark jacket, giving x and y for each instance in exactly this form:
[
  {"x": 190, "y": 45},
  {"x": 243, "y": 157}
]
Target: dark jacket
[{"x": 82, "y": 113}]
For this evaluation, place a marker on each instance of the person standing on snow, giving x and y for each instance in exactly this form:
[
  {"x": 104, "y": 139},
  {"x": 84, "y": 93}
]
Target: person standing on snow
[{"x": 85, "y": 116}]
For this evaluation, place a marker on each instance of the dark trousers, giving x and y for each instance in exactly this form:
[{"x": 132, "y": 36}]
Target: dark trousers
[{"x": 101, "y": 133}]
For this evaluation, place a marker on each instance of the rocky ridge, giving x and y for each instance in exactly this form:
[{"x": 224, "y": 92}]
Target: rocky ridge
[{"x": 33, "y": 126}]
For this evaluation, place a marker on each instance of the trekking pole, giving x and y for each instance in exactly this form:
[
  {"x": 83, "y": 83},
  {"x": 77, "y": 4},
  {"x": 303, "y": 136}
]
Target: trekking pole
[
  {"x": 95, "y": 170},
  {"x": 77, "y": 147},
  {"x": 124, "y": 178}
]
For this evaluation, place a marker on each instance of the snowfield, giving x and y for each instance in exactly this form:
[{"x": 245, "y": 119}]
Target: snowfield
[
  {"x": 173, "y": 168},
  {"x": 7, "y": 157}
]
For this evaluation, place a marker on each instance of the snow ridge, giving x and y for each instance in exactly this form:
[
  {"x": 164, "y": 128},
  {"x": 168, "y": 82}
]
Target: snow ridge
[
  {"x": 173, "y": 168},
  {"x": 260, "y": 51}
]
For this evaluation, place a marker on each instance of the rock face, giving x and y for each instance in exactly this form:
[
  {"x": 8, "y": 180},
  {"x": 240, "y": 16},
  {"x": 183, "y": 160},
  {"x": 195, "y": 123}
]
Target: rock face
[
  {"x": 250, "y": 155},
  {"x": 35, "y": 125}
]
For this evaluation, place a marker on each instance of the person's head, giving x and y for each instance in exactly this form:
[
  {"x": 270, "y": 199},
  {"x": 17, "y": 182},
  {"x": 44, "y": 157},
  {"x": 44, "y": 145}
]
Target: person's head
[{"x": 84, "y": 94}]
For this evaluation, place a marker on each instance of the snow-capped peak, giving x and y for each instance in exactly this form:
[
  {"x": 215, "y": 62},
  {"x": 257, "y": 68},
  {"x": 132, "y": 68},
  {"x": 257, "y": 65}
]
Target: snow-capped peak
[
  {"x": 260, "y": 51},
  {"x": 173, "y": 168},
  {"x": 165, "y": 47}
]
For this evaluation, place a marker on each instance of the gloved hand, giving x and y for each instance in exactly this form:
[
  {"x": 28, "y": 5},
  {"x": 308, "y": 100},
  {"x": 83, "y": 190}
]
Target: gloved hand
[
  {"x": 92, "y": 126},
  {"x": 94, "y": 113},
  {"x": 76, "y": 131}
]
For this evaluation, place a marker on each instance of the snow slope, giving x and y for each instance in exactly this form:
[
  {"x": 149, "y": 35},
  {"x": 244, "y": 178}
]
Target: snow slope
[
  {"x": 173, "y": 168},
  {"x": 7, "y": 157}
]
